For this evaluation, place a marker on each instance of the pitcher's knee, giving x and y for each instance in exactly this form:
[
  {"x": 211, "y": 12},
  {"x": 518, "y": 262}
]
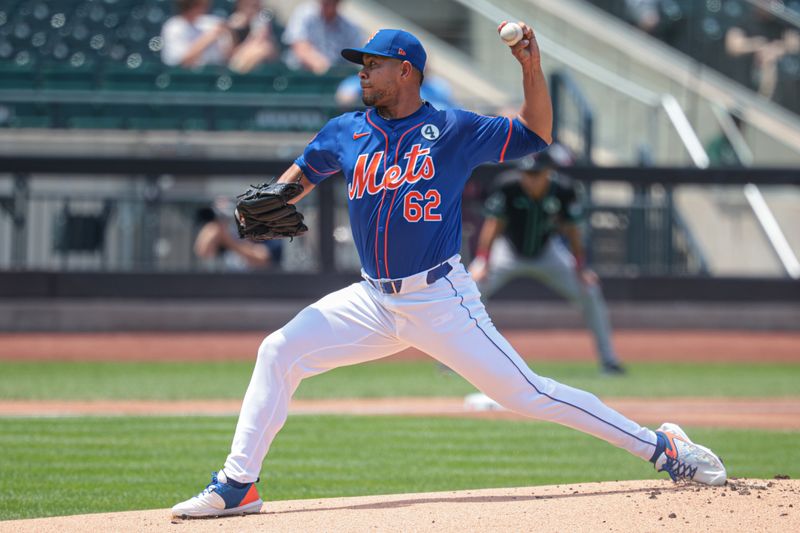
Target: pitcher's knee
[{"x": 276, "y": 352}]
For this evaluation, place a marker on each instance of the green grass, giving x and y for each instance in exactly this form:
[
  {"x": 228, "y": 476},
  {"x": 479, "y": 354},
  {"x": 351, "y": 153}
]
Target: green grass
[
  {"x": 164, "y": 381},
  {"x": 81, "y": 465}
]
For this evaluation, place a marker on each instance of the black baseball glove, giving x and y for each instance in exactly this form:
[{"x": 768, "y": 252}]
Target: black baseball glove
[{"x": 263, "y": 212}]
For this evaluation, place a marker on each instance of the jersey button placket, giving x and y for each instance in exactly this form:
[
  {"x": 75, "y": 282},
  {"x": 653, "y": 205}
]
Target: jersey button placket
[
  {"x": 393, "y": 140},
  {"x": 381, "y": 266}
]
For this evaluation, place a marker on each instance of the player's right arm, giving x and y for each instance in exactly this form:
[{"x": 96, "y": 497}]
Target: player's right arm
[{"x": 536, "y": 112}]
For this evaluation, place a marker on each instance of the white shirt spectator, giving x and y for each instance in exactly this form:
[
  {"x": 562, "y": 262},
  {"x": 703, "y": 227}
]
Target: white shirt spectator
[
  {"x": 178, "y": 34},
  {"x": 329, "y": 38}
]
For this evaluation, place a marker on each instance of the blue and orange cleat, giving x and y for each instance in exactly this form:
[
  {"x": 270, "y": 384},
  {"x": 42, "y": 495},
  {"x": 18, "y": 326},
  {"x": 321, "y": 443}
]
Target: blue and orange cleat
[
  {"x": 682, "y": 459},
  {"x": 221, "y": 498}
]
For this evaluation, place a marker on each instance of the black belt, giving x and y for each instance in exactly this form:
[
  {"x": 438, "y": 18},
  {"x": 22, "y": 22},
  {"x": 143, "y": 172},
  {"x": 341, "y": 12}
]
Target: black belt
[{"x": 393, "y": 286}]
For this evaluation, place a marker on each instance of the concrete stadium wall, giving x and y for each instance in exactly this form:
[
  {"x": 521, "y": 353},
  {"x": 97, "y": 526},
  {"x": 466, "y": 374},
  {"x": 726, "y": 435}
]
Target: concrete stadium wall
[
  {"x": 82, "y": 302},
  {"x": 70, "y": 315}
]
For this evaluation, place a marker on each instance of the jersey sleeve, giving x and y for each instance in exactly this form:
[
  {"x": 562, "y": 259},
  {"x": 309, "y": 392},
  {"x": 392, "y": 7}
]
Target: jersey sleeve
[
  {"x": 496, "y": 139},
  {"x": 320, "y": 159}
]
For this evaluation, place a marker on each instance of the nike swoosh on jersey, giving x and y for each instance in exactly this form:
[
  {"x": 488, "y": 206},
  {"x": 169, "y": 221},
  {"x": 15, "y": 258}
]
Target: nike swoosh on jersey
[{"x": 357, "y": 136}]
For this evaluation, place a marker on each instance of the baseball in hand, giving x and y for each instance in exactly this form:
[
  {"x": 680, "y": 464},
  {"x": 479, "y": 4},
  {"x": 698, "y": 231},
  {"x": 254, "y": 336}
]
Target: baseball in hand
[{"x": 511, "y": 33}]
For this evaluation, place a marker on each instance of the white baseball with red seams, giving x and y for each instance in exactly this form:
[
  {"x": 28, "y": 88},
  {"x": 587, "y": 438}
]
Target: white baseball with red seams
[{"x": 511, "y": 33}]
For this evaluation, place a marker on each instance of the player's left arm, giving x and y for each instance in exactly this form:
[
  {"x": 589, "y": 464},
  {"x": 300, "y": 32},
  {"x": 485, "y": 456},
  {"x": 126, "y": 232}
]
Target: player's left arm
[
  {"x": 492, "y": 228},
  {"x": 536, "y": 112}
]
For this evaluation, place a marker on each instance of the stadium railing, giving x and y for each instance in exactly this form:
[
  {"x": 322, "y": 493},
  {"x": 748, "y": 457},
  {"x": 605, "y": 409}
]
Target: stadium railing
[{"x": 138, "y": 214}]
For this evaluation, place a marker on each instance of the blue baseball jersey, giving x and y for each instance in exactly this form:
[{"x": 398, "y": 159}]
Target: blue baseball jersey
[{"x": 405, "y": 178}]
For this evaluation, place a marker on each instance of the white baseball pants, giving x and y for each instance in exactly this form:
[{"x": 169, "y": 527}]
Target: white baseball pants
[{"x": 446, "y": 320}]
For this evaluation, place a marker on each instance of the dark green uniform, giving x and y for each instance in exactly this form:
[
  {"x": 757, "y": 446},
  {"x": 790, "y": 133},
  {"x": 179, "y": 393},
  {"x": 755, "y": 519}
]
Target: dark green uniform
[{"x": 530, "y": 222}]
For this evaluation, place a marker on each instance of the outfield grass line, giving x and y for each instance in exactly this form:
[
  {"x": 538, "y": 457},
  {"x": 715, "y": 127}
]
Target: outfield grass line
[
  {"x": 197, "y": 381},
  {"x": 754, "y": 413}
]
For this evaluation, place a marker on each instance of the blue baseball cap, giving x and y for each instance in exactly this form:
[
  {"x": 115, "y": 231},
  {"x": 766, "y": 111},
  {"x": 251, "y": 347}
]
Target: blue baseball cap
[{"x": 398, "y": 44}]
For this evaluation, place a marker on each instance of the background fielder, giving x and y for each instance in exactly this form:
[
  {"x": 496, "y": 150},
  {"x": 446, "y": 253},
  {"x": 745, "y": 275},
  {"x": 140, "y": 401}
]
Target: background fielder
[
  {"x": 406, "y": 164},
  {"x": 527, "y": 219}
]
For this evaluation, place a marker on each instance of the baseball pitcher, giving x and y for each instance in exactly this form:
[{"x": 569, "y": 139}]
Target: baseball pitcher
[{"x": 406, "y": 164}]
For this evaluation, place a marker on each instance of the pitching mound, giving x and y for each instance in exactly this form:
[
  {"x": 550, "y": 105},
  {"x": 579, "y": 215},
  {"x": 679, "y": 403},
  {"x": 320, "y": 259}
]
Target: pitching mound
[{"x": 742, "y": 505}]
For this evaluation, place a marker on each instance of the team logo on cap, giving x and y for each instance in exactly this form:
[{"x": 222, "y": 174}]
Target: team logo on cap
[{"x": 430, "y": 132}]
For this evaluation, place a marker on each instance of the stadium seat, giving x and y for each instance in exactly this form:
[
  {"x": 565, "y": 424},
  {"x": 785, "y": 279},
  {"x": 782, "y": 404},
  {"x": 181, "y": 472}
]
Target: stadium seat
[
  {"x": 68, "y": 77},
  {"x": 124, "y": 78},
  {"x": 14, "y": 76},
  {"x": 113, "y": 46},
  {"x": 182, "y": 80},
  {"x": 95, "y": 122}
]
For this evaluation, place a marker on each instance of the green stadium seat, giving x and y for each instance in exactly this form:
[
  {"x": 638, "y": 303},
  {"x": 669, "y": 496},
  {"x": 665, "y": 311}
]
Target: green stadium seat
[
  {"x": 122, "y": 78},
  {"x": 165, "y": 117},
  {"x": 92, "y": 122},
  {"x": 231, "y": 124},
  {"x": 14, "y": 76},
  {"x": 182, "y": 80},
  {"x": 163, "y": 122},
  {"x": 195, "y": 124},
  {"x": 26, "y": 121},
  {"x": 307, "y": 83},
  {"x": 66, "y": 77},
  {"x": 112, "y": 46},
  {"x": 234, "y": 118},
  {"x": 254, "y": 82},
  {"x": 29, "y": 115}
]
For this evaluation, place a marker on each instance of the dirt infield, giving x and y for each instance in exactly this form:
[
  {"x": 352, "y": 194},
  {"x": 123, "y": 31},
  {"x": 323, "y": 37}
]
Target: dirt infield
[
  {"x": 768, "y": 413},
  {"x": 637, "y": 345},
  {"x": 742, "y": 505}
]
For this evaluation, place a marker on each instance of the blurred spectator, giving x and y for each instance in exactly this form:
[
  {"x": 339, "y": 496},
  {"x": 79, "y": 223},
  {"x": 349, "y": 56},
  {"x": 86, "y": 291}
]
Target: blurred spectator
[
  {"x": 662, "y": 19},
  {"x": 434, "y": 89},
  {"x": 317, "y": 33},
  {"x": 532, "y": 210},
  {"x": 766, "y": 39},
  {"x": 253, "y": 36},
  {"x": 194, "y": 38},
  {"x": 218, "y": 239},
  {"x": 644, "y": 14}
]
